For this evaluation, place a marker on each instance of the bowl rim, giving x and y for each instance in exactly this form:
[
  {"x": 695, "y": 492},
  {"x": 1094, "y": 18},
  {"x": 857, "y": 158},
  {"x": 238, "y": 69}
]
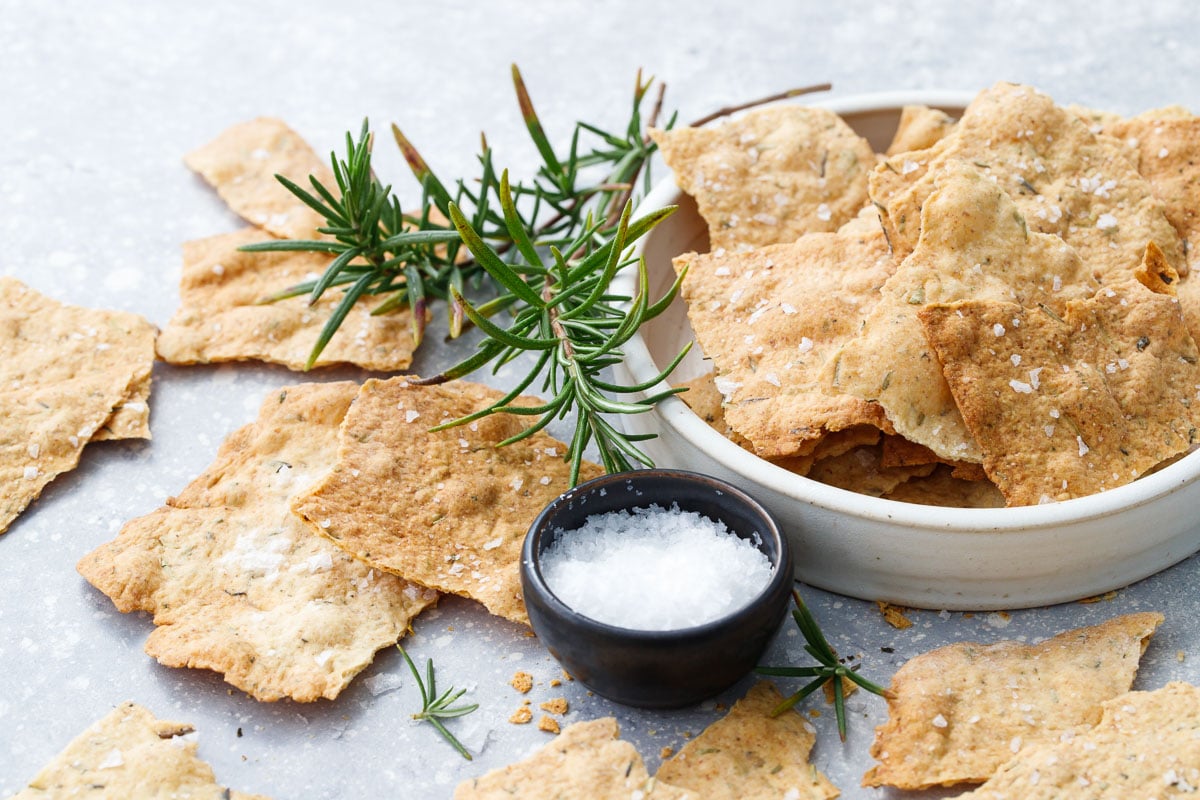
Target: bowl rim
[
  {"x": 673, "y": 412},
  {"x": 782, "y": 568}
]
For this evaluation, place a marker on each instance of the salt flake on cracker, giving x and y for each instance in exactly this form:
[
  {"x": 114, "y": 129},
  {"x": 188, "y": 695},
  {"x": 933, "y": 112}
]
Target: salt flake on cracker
[{"x": 956, "y": 714}]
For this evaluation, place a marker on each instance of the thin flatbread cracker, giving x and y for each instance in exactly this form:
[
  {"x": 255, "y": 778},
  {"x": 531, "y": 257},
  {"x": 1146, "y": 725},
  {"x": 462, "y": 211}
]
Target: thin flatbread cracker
[
  {"x": 1068, "y": 406},
  {"x": 130, "y": 418},
  {"x": 750, "y": 755},
  {"x": 957, "y": 713},
  {"x": 770, "y": 318},
  {"x": 1145, "y": 745},
  {"x": 240, "y": 585},
  {"x": 861, "y": 470},
  {"x": 130, "y": 754},
  {"x": 63, "y": 371},
  {"x": 221, "y": 318},
  {"x": 241, "y": 164},
  {"x": 585, "y": 762},
  {"x": 920, "y": 127},
  {"x": 448, "y": 510},
  {"x": 943, "y": 487},
  {"x": 771, "y": 175}
]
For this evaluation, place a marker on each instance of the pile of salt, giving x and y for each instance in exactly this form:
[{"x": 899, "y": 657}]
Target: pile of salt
[{"x": 654, "y": 569}]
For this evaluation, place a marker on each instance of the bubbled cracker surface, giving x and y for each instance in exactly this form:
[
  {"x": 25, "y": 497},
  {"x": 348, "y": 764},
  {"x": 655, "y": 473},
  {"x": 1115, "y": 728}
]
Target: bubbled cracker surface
[
  {"x": 750, "y": 755},
  {"x": 448, "y": 510},
  {"x": 957, "y": 713},
  {"x": 770, "y": 175},
  {"x": 240, "y": 585},
  {"x": 221, "y": 318},
  {"x": 1068, "y": 406},
  {"x": 64, "y": 371},
  {"x": 130, "y": 754}
]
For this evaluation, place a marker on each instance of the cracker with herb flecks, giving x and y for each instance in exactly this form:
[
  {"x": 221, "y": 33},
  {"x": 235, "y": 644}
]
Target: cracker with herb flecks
[
  {"x": 750, "y": 755},
  {"x": 974, "y": 244},
  {"x": 1064, "y": 179},
  {"x": 943, "y": 487},
  {"x": 920, "y": 127},
  {"x": 861, "y": 470},
  {"x": 448, "y": 509},
  {"x": 241, "y": 164},
  {"x": 240, "y": 585},
  {"x": 769, "y": 318},
  {"x": 130, "y": 754},
  {"x": 585, "y": 762},
  {"x": 130, "y": 418},
  {"x": 957, "y": 713},
  {"x": 1146, "y": 744},
  {"x": 64, "y": 373},
  {"x": 770, "y": 175},
  {"x": 222, "y": 317},
  {"x": 1068, "y": 406}
]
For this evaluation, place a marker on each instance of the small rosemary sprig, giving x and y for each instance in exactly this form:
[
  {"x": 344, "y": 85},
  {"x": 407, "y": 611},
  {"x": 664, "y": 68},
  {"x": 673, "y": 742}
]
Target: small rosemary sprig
[
  {"x": 435, "y": 707},
  {"x": 828, "y": 669}
]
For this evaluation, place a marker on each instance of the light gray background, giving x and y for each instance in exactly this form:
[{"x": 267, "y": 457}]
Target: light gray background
[{"x": 99, "y": 101}]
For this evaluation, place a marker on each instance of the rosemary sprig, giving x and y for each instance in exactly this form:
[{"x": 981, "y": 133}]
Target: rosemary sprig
[
  {"x": 435, "y": 707},
  {"x": 828, "y": 669}
]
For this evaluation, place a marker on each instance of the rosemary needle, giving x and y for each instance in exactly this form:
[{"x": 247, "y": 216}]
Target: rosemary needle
[{"x": 435, "y": 707}]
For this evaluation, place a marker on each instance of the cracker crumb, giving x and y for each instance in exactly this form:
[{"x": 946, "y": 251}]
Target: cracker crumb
[
  {"x": 557, "y": 705},
  {"x": 554, "y": 682},
  {"x": 894, "y": 615},
  {"x": 666, "y": 753},
  {"x": 567, "y": 676},
  {"x": 521, "y": 716},
  {"x": 522, "y": 681},
  {"x": 548, "y": 724}
]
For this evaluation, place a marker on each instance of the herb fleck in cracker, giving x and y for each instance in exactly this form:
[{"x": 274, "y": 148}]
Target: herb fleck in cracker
[
  {"x": 957, "y": 713},
  {"x": 130, "y": 754},
  {"x": 240, "y": 585}
]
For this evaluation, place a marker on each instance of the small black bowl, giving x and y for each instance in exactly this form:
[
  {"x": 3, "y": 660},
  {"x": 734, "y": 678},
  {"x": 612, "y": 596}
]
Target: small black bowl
[{"x": 657, "y": 669}]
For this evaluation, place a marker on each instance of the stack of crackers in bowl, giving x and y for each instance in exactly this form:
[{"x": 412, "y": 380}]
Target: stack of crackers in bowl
[{"x": 957, "y": 304}]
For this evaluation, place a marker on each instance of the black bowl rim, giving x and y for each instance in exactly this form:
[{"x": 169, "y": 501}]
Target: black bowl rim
[{"x": 783, "y": 566}]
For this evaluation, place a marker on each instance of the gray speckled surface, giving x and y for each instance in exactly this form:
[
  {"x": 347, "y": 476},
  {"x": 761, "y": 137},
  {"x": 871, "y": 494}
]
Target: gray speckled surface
[{"x": 98, "y": 102}]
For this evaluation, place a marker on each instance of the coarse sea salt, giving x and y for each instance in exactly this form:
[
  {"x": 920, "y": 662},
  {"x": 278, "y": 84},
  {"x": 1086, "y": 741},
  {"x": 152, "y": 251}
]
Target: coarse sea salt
[{"x": 654, "y": 569}]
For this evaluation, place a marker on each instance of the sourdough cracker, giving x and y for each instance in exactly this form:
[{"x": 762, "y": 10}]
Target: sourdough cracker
[
  {"x": 920, "y": 127},
  {"x": 957, "y": 713},
  {"x": 585, "y": 762},
  {"x": 1146, "y": 744},
  {"x": 129, "y": 754},
  {"x": 449, "y": 509},
  {"x": 238, "y": 584},
  {"x": 221, "y": 316},
  {"x": 861, "y": 470},
  {"x": 751, "y": 755},
  {"x": 64, "y": 373},
  {"x": 241, "y": 165},
  {"x": 943, "y": 487},
  {"x": 130, "y": 418},
  {"x": 1068, "y": 406},
  {"x": 769, "y": 319},
  {"x": 771, "y": 175}
]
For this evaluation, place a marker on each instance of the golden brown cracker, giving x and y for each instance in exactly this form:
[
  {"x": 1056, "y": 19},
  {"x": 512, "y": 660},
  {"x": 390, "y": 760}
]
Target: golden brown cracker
[
  {"x": 920, "y": 127},
  {"x": 221, "y": 316},
  {"x": 1068, "y": 406},
  {"x": 770, "y": 175},
  {"x": 64, "y": 370},
  {"x": 955, "y": 714},
  {"x": 240, "y": 585},
  {"x": 130, "y": 754},
  {"x": 448, "y": 510},
  {"x": 585, "y": 762},
  {"x": 1146, "y": 744},
  {"x": 860, "y": 470},
  {"x": 769, "y": 318},
  {"x": 241, "y": 164},
  {"x": 942, "y": 488},
  {"x": 130, "y": 418},
  {"x": 830, "y": 446},
  {"x": 750, "y": 755}
]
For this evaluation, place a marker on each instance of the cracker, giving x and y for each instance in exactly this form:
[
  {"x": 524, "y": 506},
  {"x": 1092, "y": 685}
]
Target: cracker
[
  {"x": 1064, "y": 179},
  {"x": 585, "y": 762},
  {"x": 942, "y": 487},
  {"x": 130, "y": 754},
  {"x": 130, "y": 418},
  {"x": 955, "y": 714},
  {"x": 748, "y": 754},
  {"x": 770, "y": 175},
  {"x": 860, "y": 470},
  {"x": 1068, "y": 406},
  {"x": 241, "y": 164},
  {"x": 238, "y": 584},
  {"x": 220, "y": 317},
  {"x": 769, "y": 318},
  {"x": 974, "y": 244},
  {"x": 1145, "y": 745},
  {"x": 448, "y": 510},
  {"x": 63, "y": 371},
  {"x": 920, "y": 127}
]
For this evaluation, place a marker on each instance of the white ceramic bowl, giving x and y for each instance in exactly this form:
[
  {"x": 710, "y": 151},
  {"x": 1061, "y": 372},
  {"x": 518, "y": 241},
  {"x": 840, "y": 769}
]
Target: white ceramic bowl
[{"x": 875, "y": 549}]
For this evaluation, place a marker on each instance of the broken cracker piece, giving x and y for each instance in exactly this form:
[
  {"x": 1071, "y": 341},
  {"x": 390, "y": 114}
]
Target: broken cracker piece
[
  {"x": 240, "y": 585},
  {"x": 957, "y": 713},
  {"x": 942, "y": 488},
  {"x": 557, "y": 705},
  {"x": 522, "y": 682},
  {"x": 920, "y": 127},
  {"x": 750, "y": 755},
  {"x": 130, "y": 754},
  {"x": 522, "y": 716},
  {"x": 548, "y": 724}
]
